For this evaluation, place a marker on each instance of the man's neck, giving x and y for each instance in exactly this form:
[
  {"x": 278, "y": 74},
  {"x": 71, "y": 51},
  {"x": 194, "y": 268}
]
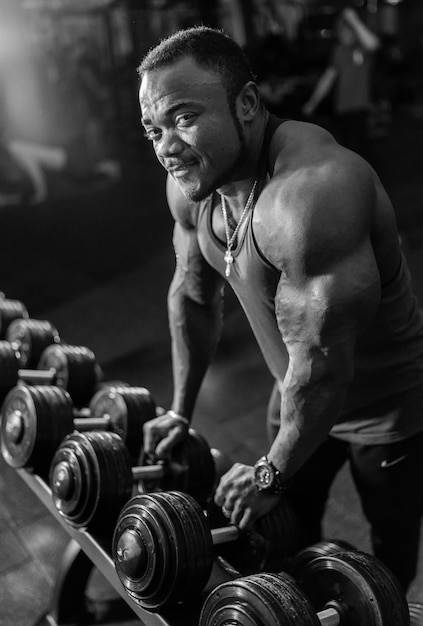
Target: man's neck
[{"x": 239, "y": 188}]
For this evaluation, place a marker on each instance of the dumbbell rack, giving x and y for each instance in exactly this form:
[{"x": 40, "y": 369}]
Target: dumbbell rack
[{"x": 85, "y": 552}]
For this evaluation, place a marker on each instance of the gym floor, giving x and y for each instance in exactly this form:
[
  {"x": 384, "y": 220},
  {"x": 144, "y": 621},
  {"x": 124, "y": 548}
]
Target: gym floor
[{"x": 96, "y": 261}]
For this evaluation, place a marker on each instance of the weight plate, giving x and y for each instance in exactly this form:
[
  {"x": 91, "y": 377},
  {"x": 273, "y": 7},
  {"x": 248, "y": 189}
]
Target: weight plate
[
  {"x": 30, "y": 429},
  {"x": 9, "y": 368},
  {"x": 197, "y": 562},
  {"x": 114, "y": 484},
  {"x": 55, "y": 358},
  {"x": 182, "y": 579},
  {"x": 143, "y": 550},
  {"x": 201, "y": 469},
  {"x": 90, "y": 481},
  {"x": 321, "y": 548},
  {"x": 161, "y": 548},
  {"x": 83, "y": 373},
  {"x": 54, "y": 421},
  {"x": 141, "y": 408},
  {"x": 358, "y": 586},
  {"x": 74, "y": 477},
  {"x": 32, "y": 337},
  {"x": 9, "y": 311},
  {"x": 75, "y": 368},
  {"x": 127, "y": 409},
  {"x": 282, "y": 540},
  {"x": 258, "y": 600}
]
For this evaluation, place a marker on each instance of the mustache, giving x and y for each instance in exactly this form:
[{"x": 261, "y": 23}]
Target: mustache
[{"x": 176, "y": 164}]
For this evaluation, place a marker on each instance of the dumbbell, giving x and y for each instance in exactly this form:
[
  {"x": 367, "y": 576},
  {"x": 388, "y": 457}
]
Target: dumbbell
[
  {"x": 36, "y": 419},
  {"x": 91, "y": 476},
  {"x": 345, "y": 589},
  {"x": 73, "y": 368},
  {"x": 9, "y": 311},
  {"x": 14, "y": 355},
  {"x": 31, "y": 337},
  {"x": 163, "y": 547},
  {"x": 330, "y": 547}
]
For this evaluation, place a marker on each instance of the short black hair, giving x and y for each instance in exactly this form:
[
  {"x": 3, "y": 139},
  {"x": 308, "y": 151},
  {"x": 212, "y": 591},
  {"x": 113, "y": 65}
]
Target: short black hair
[{"x": 211, "y": 48}]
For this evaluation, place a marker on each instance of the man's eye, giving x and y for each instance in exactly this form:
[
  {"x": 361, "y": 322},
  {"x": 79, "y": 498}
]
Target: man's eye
[
  {"x": 185, "y": 119},
  {"x": 151, "y": 134}
]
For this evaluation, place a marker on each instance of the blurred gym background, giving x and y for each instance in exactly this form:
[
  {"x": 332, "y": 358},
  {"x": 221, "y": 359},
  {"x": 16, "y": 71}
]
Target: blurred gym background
[{"x": 86, "y": 234}]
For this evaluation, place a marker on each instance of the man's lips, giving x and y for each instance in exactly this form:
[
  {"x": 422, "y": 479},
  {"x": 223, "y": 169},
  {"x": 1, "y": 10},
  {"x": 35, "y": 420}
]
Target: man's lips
[{"x": 180, "y": 167}]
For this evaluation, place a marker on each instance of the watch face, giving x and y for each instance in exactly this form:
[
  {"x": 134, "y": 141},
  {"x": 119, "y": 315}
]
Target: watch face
[{"x": 265, "y": 475}]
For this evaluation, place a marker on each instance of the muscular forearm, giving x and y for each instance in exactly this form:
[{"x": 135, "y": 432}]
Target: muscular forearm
[
  {"x": 195, "y": 330},
  {"x": 308, "y": 412}
]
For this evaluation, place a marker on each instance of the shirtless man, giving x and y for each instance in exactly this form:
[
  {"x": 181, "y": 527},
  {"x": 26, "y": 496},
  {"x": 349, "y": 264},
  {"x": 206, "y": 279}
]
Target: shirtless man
[{"x": 317, "y": 267}]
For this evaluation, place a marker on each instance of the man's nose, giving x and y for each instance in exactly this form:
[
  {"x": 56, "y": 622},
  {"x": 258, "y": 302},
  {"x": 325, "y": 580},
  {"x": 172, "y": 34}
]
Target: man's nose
[{"x": 170, "y": 145}]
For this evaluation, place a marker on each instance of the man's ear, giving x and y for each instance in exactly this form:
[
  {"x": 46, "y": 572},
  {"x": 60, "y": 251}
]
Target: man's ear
[{"x": 248, "y": 101}]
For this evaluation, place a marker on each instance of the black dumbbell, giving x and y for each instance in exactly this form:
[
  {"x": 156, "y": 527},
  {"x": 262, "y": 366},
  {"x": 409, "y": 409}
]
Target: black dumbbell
[
  {"x": 345, "y": 589},
  {"x": 163, "y": 547},
  {"x": 36, "y": 419},
  {"x": 73, "y": 368},
  {"x": 98, "y": 464}
]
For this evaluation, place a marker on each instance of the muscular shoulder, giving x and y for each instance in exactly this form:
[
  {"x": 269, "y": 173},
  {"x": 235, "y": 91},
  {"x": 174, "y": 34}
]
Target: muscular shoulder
[
  {"x": 183, "y": 210},
  {"x": 319, "y": 200}
]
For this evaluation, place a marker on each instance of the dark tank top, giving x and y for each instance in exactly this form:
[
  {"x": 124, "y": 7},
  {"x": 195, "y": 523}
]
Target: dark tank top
[{"x": 385, "y": 400}]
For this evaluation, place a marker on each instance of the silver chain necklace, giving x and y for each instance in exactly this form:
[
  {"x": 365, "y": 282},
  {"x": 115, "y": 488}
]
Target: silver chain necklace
[{"x": 229, "y": 259}]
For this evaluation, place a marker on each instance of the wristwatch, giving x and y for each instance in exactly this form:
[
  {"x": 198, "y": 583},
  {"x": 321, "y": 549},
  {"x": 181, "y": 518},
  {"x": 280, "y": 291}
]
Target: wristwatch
[{"x": 267, "y": 477}]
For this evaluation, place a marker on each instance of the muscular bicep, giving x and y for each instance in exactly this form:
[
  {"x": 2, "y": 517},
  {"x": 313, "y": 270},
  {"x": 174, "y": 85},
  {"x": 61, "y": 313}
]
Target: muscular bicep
[{"x": 320, "y": 316}]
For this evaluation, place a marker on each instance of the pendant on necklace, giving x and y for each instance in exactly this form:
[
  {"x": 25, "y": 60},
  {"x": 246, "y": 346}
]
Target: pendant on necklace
[{"x": 229, "y": 259}]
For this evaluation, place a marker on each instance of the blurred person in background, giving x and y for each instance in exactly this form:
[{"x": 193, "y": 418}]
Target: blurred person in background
[
  {"x": 350, "y": 74},
  {"x": 278, "y": 17}
]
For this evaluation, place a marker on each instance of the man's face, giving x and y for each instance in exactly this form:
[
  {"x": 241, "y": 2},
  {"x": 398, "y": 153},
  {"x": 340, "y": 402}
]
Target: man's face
[{"x": 185, "y": 113}]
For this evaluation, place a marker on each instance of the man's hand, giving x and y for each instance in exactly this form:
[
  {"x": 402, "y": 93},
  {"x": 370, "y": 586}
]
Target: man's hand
[
  {"x": 238, "y": 495},
  {"x": 162, "y": 433}
]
